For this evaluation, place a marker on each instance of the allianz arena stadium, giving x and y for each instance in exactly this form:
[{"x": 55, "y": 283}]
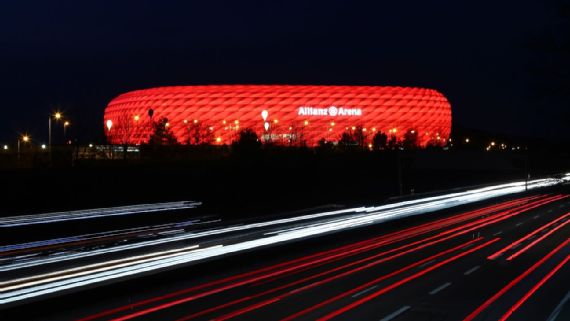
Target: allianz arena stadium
[{"x": 279, "y": 113}]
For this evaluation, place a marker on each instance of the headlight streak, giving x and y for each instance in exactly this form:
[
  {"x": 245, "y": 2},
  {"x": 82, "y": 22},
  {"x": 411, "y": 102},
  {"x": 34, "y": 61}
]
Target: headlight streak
[
  {"x": 93, "y": 236},
  {"x": 361, "y": 216},
  {"x": 23, "y": 220}
]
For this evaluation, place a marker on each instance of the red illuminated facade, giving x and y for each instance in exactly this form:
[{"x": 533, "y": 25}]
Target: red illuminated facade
[{"x": 280, "y": 113}]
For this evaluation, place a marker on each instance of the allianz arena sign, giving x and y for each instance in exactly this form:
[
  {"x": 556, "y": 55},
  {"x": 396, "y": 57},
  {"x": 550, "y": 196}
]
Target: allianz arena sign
[{"x": 331, "y": 111}]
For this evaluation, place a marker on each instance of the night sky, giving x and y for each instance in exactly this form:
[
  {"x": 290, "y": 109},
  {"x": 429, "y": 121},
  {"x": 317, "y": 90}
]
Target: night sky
[{"x": 77, "y": 55}]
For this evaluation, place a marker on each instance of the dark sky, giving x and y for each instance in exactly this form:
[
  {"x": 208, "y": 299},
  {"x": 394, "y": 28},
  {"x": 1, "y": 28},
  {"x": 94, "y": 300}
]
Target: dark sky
[{"x": 77, "y": 55}]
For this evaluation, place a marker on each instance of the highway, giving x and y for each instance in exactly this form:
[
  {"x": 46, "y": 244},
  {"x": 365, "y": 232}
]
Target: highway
[{"x": 498, "y": 258}]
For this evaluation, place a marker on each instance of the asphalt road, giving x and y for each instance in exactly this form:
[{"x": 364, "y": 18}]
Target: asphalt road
[{"x": 502, "y": 258}]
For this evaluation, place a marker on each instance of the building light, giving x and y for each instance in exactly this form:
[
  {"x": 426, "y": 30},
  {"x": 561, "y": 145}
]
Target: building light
[
  {"x": 332, "y": 124},
  {"x": 236, "y": 122},
  {"x": 5, "y": 147},
  {"x": 167, "y": 125},
  {"x": 195, "y": 121},
  {"x": 90, "y": 145},
  {"x": 224, "y": 122},
  {"x": 218, "y": 139},
  {"x": 43, "y": 146},
  {"x": 136, "y": 117},
  {"x": 467, "y": 140},
  {"x": 306, "y": 122},
  {"x": 275, "y": 121},
  {"x": 185, "y": 121}
]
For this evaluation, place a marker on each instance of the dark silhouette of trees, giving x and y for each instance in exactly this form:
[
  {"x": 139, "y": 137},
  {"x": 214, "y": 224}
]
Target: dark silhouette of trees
[
  {"x": 379, "y": 141},
  {"x": 162, "y": 135},
  {"x": 410, "y": 140},
  {"x": 393, "y": 142},
  {"x": 346, "y": 140},
  {"x": 200, "y": 134},
  {"x": 247, "y": 141}
]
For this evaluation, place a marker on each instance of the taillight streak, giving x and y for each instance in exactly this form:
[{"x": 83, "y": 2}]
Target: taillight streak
[
  {"x": 533, "y": 243},
  {"x": 345, "y": 250},
  {"x": 538, "y": 230},
  {"x": 511, "y": 284},
  {"x": 459, "y": 230},
  {"x": 534, "y": 289},
  {"x": 403, "y": 281},
  {"x": 346, "y": 273}
]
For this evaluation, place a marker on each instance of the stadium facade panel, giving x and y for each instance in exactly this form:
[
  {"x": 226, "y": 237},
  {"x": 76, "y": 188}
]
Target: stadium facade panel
[{"x": 281, "y": 113}]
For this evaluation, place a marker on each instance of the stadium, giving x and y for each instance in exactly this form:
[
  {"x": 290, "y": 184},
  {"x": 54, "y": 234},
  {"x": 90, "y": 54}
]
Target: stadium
[{"x": 283, "y": 114}]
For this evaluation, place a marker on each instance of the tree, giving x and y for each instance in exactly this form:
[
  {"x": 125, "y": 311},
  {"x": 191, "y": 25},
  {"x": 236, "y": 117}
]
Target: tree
[
  {"x": 359, "y": 136},
  {"x": 346, "y": 139},
  {"x": 247, "y": 141},
  {"x": 124, "y": 131},
  {"x": 200, "y": 134},
  {"x": 410, "y": 140},
  {"x": 162, "y": 135},
  {"x": 393, "y": 142},
  {"x": 379, "y": 141}
]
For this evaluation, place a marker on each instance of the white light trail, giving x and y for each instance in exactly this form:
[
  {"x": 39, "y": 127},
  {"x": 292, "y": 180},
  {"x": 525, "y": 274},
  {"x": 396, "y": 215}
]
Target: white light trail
[
  {"x": 327, "y": 222},
  {"x": 23, "y": 220}
]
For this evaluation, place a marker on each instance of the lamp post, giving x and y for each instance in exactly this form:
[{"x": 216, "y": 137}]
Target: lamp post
[
  {"x": 25, "y": 139},
  {"x": 57, "y": 117},
  {"x": 65, "y": 125}
]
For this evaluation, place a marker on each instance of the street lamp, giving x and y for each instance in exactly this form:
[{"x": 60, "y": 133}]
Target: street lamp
[
  {"x": 57, "y": 117},
  {"x": 25, "y": 139},
  {"x": 65, "y": 125}
]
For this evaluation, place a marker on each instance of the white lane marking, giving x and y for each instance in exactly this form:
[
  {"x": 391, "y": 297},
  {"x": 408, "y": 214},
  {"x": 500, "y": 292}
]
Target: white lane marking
[
  {"x": 427, "y": 263},
  {"x": 396, "y": 313},
  {"x": 498, "y": 233},
  {"x": 536, "y": 216},
  {"x": 471, "y": 270},
  {"x": 519, "y": 224},
  {"x": 364, "y": 291},
  {"x": 438, "y": 289}
]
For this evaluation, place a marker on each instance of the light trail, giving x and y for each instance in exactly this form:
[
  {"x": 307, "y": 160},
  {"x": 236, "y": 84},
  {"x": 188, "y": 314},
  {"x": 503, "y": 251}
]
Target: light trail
[
  {"x": 329, "y": 223},
  {"x": 423, "y": 243},
  {"x": 534, "y": 289},
  {"x": 459, "y": 230},
  {"x": 533, "y": 243},
  {"x": 402, "y": 282},
  {"x": 395, "y": 236},
  {"x": 338, "y": 276},
  {"x": 528, "y": 236},
  {"x": 511, "y": 284},
  {"x": 45, "y": 218}
]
